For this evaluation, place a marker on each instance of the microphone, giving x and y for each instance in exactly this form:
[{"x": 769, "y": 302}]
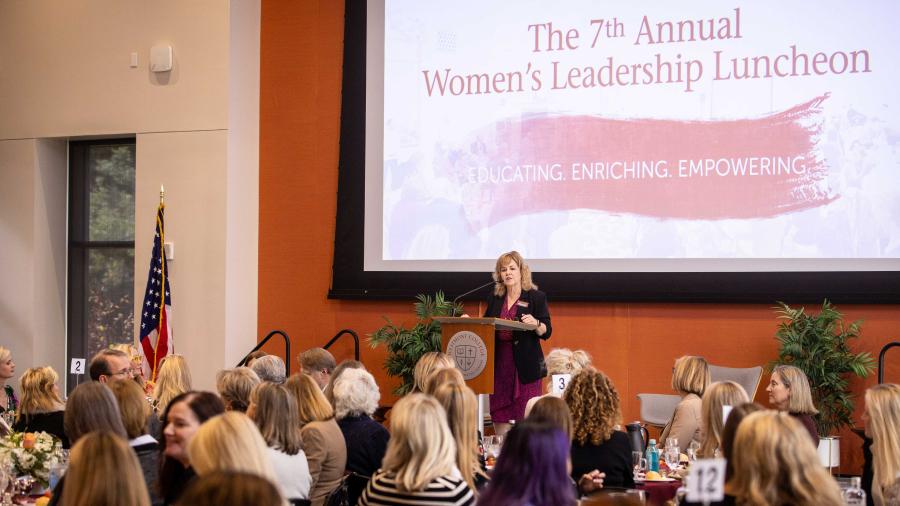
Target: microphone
[{"x": 470, "y": 292}]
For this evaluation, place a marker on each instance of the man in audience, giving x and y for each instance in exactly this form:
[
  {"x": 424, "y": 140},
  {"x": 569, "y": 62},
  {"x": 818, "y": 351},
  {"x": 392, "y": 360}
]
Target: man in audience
[
  {"x": 110, "y": 365},
  {"x": 269, "y": 368},
  {"x": 317, "y": 363}
]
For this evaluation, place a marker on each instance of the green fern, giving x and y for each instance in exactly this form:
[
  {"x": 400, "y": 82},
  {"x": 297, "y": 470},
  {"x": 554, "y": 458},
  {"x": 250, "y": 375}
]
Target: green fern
[
  {"x": 820, "y": 346},
  {"x": 406, "y": 345}
]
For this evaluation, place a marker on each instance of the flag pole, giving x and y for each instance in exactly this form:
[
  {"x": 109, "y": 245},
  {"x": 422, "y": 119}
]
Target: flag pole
[{"x": 162, "y": 195}]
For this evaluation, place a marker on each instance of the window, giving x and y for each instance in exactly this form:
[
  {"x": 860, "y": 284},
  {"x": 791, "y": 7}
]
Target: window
[{"x": 101, "y": 245}]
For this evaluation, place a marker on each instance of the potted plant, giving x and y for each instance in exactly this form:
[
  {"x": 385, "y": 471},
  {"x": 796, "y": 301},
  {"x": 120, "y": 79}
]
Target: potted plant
[
  {"x": 819, "y": 345},
  {"x": 406, "y": 345}
]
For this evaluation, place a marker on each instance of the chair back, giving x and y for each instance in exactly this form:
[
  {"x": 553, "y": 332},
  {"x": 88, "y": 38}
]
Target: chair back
[
  {"x": 356, "y": 483},
  {"x": 340, "y": 496},
  {"x": 747, "y": 377},
  {"x": 657, "y": 409}
]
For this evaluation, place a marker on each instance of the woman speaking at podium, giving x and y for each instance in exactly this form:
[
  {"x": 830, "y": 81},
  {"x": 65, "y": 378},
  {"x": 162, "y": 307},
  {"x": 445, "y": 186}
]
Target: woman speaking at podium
[{"x": 518, "y": 357}]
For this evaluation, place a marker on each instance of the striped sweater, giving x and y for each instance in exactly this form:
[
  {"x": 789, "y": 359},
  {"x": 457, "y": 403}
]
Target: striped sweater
[{"x": 382, "y": 491}]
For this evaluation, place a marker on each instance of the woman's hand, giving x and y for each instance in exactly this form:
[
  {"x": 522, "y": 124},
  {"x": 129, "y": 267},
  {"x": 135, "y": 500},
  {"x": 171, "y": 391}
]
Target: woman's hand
[{"x": 591, "y": 481}]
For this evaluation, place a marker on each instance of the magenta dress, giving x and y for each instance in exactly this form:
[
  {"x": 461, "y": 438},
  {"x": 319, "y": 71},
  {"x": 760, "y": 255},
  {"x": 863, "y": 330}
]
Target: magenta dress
[{"x": 510, "y": 396}]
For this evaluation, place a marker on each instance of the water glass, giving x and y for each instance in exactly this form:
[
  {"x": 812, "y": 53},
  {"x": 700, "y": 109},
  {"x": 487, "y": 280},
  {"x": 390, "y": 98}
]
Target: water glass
[
  {"x": 672, "y": 456},
  {"x": 671, "y": 442},
  {"x": 638, "y": 464}
]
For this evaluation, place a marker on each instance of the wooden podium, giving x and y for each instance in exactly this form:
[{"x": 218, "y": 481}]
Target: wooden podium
[{"x": 475, "y": 357}]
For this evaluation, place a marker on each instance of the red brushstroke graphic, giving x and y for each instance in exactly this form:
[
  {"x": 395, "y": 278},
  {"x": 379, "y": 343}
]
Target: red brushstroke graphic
[{"x": 705, "y": 170}]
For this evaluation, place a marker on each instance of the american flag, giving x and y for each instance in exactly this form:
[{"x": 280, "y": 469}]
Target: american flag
[{"x": 156, "y": 313}]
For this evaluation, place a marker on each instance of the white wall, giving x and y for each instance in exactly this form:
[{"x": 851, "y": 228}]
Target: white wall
[{"x": 65, "y": 74}]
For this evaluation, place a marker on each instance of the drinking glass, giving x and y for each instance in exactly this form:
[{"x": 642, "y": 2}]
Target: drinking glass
[
  {"x": 638, "y": 464},
  {"x": 672, "y": 455}
]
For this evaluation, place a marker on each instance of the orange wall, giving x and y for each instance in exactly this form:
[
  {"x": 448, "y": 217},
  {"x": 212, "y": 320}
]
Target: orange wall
[{"x": 300, "y": 95}]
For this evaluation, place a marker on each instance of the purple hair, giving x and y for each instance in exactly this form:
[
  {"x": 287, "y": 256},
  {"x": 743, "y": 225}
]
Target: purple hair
[{"x": 532, "y": 468}]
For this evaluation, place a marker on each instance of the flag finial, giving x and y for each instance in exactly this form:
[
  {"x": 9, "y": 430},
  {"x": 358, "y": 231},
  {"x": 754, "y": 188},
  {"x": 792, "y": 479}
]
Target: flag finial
[{"x": 162, "y": 194}]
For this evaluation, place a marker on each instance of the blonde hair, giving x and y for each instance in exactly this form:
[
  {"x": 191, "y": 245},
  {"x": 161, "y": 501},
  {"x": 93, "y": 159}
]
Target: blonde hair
[
  {"x": 552, "y": 410},
  {"x": 275, "y": 413},
  {"x": 92, "y": 407},
  {"x": 427, "y": 364},
  {"x": 594, "y": 404},
  {"x": 38, "y": 395},
  {"x": 5, "y": 354},
  {"x": 775, "y": 463},
  {"x": 235, "y": 385},
  {"x": 441, "y": 377},
  {"x": 800, "y": 397},
  {"x": 883, "y": 411},
  {"x": 312, "y": 406},
  {"x": 173, "y": 379},
  {"x": 421, "y": 447},
  {"x": 230, "y": 442},
  {"x": 718, "y": 394},
  {"x": 690, "y": 376},
  {"x": 104, "y": 470},
  {"x": 461, "y": 406},
  {"x": 126, "y": 348},
  {"x": 502, "y": 261},
  {"x": 133, "y": 406}
]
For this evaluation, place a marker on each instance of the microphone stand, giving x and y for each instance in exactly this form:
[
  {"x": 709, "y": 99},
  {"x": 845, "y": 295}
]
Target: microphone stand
[{"x": 470, "y": 292}]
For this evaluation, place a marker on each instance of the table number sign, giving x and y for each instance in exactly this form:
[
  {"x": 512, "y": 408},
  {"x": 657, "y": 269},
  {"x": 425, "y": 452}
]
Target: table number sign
[
  {"x": 77, "y": 366},
  {"x": 706, "y": 482},
  {"x": 559, "y": 382}
]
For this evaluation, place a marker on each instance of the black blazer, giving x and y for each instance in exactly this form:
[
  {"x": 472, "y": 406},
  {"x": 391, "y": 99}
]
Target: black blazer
[{"x": 527, "y": 352}]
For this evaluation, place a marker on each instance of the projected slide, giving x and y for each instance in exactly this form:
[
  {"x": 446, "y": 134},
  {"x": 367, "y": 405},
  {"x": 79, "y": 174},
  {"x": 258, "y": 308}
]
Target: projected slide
[{"x": 594, "y": 131}]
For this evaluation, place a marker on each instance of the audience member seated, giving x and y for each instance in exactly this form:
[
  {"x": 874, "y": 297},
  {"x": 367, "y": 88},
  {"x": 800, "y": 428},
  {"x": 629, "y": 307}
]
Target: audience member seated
[
  {"x": 552, "y": 410},
  {"x": 789, "y": 391},
  {"x": 172, "y": 379},
  {"x": 461, "y": 406},
  {"x": 183, "y": 416},
  {"x": 532, "y": 468},
  {"x": 718, "y": 395},
  {"x": 8, "y": 400},
  {"x": 41, "y": 408},
  {"x": 343, "y": 366},
  {"x": 690, "y": 377},
  {"x": 230, "y": 442},
  {"x": 234, "y": 386},
  {"x": 597, "y": 447},
  {"x": 442, "y": 377},
  {"x": 318, "y": 363},
  {"x": 252, "y": 357},
  {"x": 882, "y": 424},
  {"x": 137, "y": 369},
  {"x": 420, "y": 465},
  {"x": 775, "y": 464},
  {"x": 274, "y": 410},
  {"x": 134, "y": 410},
  {"x": 110, "y": 365},
  {"x": 427, "y": 364},
  {"x": 231, "y": 488},
  {"x": 561, "y": 361},
  {"x": 269, "y": 368},
  {"x": 104, "y": 471},
  {"x": 356, "y": 397},
  {"x": 323, "y": 441}
]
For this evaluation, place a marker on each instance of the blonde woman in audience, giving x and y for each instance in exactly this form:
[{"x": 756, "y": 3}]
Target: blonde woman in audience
[
  {"x": 172, "y": 380},
  {"x": 690, "y": 377},
  {"x": 774, "y": 464},
  {"x": 274, "y": 410},
  {"x": 552, "y": 410},
  {"x": 442, "y": 377},
  {"x": 91, "y": 407},
  {"x": 718, "y": 395},
  {"x": 429, "y": 363},
  {"x": 182, "y": 418},
  {"x": 235, "y": 385},
  {"x": 561, "y": 361},
  {"x": 461, "y": 405},
  {"x": 41, "y": 408},
  {"x": 8, "y": 400},
  {"x": 231, "y": 488},
  {"x": 230, "y": 442},
  {"x": 420, "y": 465},
  {"x": 882, "y": 423},
  {"x": 134, "y": 410},
  {"x": 104, "y": 471},
  {"x": 789, "y": 391},
  {"x": 323, "y": 441}
]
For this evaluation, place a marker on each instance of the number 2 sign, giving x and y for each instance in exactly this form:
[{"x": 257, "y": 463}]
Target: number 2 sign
[{"x": 706, "y": 483}]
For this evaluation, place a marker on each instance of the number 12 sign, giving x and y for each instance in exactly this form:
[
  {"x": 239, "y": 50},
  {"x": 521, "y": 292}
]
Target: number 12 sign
[{"x": 706, "y": 482}]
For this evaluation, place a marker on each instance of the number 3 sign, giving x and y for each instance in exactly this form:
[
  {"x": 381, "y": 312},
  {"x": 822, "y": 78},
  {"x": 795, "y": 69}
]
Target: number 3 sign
[
  {"x": 558, "y": 383},
  {"x": 706, "y": 483}
]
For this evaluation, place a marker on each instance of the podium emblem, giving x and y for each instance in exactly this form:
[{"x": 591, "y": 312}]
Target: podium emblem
[{"x": 469, "y": 353}]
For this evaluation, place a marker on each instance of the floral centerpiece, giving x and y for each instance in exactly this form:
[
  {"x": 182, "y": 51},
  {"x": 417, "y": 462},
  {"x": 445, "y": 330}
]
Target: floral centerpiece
[{"x": 31, "y": 453}]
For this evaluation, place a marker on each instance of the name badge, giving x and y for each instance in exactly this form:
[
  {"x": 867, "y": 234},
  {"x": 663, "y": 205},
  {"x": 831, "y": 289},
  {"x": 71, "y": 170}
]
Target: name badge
[{"x": 521, "y": 303}]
